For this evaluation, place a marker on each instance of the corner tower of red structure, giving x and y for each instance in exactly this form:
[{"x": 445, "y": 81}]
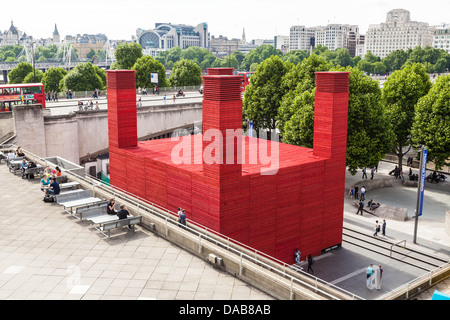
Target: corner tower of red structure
[{"x": 330, "y": 142}]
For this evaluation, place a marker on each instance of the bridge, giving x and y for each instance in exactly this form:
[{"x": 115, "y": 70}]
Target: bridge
[
  {"x": 6, "y": 67},
  {"x": 78, "y": 136}
]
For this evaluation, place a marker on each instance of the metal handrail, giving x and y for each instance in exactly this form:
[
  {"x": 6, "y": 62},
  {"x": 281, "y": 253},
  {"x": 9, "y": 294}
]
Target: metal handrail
[
  {"x": 226, "y": 241},
  {"x": 395, "y": 244},
  {"x": 406, "y": 287}
]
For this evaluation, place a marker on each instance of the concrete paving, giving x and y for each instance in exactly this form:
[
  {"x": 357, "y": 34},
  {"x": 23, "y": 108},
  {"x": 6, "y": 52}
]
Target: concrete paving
[{"x": 47, "y": 254}]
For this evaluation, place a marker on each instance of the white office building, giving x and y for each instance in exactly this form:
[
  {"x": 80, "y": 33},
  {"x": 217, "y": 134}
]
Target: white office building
[
  {"x": 332, "y": 36},
  {"x": 441, "y": 38},
  {"x": 398, "y": 32}
]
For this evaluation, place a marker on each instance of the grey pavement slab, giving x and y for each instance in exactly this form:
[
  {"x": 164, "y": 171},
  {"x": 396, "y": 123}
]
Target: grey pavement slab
[{"x": 46, "y": 253}]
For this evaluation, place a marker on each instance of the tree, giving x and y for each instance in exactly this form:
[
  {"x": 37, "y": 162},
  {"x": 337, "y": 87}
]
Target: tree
[
  {"x": 126, "y": 54},
  {"x": 52, "y": 78},
  {"x": 19, "y": 72},
  {"x": 144, "y": 66},
  {"x": 395, "y": 60},
  {"x": 298, "y": 80},
  {"x": 431, "y": 126},
  {"x": 343, "y": 58},
  {"x": 368, "y": 130},
  {"x": 34, "y": 77},
  {"x": 185, "y": 73},
  {"x": 401, "y": 92},
  {"x": 264, "y": 93},
  {"x": 82, "y": 78}
]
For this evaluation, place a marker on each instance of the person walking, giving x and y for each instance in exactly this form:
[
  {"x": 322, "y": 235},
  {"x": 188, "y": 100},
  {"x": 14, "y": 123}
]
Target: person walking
[
  {"x": 297, "y": 255},
  {"x": 364, "y": 173},
  {"x": 311, "y": 261},
  {"x": 383, "y": 228},
  {"x": 372, "y": 172},
  {"x": 350, "y": 192},
  {"x": 183, "y": 219},
  {"x": 356, "y": 192},
  {"x": 360, "y": 207},
  {"x": 377, "y": 229},
  {"x": 379, "y": 275},
  {"x": 363, "y": 193}
]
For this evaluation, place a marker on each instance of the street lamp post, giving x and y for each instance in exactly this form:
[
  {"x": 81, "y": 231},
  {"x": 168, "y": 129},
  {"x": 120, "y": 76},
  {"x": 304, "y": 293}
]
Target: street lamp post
[
  {"x": 34, "y": 69},
  {"x": 420, "y": 188}
]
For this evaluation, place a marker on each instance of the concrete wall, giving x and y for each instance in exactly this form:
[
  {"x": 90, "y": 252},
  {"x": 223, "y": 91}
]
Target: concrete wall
[
  {"x": 61, "y": 135},
  {"x": 29, "y": 128},
  {"x": 6, "y": 123},
  {"x": 79, "y": 134}
]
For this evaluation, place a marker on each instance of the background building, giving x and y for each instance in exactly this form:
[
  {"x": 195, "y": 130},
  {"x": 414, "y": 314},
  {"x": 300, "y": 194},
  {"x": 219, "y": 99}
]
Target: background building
[
  {"x": 332, "y": 36},
  {"x": 441, "y": 37},
  {"x": 398, "y": 32},
  {"x": 166, "y": 36},
  {"x": 86, "y": 42}
]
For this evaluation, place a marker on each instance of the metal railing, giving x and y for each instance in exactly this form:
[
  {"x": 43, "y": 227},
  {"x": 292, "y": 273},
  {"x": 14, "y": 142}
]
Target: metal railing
[
  {"x": 414, "y": 286},
  {"x": 252, "y": 258}
]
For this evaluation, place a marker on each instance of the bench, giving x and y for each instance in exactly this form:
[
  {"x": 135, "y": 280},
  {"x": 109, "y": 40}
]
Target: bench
[
  {"x": 111, "y": 222},
  {"x": 14, "y": 164},
  {"x": 91, "y": 210},
  {"x": 34, "y": 171},
  {"x": 61, "y": 179},
  {"x": 69, "y": 185},
  {"x": 76, "y": 199}
]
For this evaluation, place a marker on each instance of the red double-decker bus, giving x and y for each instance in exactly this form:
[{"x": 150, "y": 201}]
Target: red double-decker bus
[
  {"x": 23, "y": 93},
  {"x": 246, "y": 79}
]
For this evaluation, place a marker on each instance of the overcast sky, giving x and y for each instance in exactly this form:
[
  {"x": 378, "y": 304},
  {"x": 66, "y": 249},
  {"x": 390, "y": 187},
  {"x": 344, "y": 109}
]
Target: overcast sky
[{"x": 262, "y": 19}]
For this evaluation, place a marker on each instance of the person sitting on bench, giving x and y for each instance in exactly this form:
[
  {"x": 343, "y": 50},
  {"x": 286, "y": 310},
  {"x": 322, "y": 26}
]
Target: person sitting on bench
[
  {"x": 372, "y": 205},
  {"x": 53, "y": 188},
  {"x": 24, "y": 166},
  {"x": 123, "y": 214}
]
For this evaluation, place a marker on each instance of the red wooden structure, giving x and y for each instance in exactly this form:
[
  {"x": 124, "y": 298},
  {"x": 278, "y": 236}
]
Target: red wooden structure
[{"x": 297, "y": 203}]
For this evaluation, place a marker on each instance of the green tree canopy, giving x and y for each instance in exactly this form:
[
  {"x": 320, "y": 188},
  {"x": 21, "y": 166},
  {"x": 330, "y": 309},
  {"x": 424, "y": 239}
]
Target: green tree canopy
[
  {"x": 431, "y": 126},
  {"x": 83, "y": 78},
  {"x": 264, "y": 93},
  {"x": 34, "y": 77},
  {"x": 369, "y": 134},
  {"x": 126, "y": 54},
  {"x": 144, "y": 66},
  {"x": 401, "y": 92},
  {"x": 185, "y": 73},
  {"x": 52, "y": 79},
  {"x": 19, "y": 72}
]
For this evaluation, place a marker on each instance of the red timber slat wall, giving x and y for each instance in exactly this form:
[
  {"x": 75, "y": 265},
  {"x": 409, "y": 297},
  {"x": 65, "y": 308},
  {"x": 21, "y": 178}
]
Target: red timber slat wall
[
  {"x": 301, "y": 206},
  {"x": 330, "y": 142}
]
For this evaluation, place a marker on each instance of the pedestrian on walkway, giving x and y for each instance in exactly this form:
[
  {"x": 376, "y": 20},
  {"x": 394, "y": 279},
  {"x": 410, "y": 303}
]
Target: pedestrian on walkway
[
  {"x": 363, "y": 193},
  {"x": 311, "y": 261},
  {"x": 297, "y": 255},
  {"x": 383, "y": 228},
  {"x": 182, "y": 219},
  {"x": 372, "y": 171},
  {"x": 364, "y": 173},
  {"x": 350, "y": 192},
  {"x": 377, "y": 229},
  {"x": 379, "y": 275},
  {"x": 356, "y": 192},
  {"x": 360, "y": 207}
]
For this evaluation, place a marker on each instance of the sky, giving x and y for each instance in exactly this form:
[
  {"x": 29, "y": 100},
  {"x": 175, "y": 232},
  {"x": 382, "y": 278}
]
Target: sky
[{"x": 262, "y": 19}]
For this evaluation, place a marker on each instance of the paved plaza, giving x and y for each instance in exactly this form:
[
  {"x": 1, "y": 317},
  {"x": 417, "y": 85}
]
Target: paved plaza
[{"x": 48, "y": 254}]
